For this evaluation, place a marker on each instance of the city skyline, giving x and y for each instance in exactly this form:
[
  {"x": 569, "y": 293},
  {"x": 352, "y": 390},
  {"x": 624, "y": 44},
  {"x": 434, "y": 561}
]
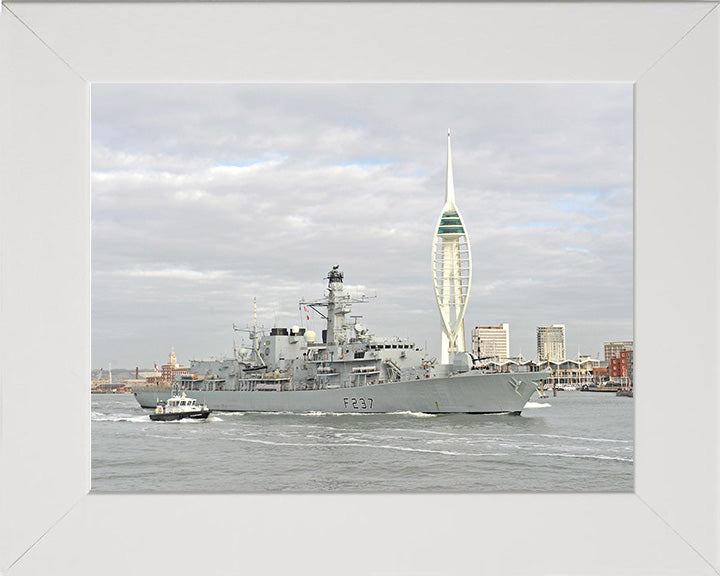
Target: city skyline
[{"x": 205, "y": 197}]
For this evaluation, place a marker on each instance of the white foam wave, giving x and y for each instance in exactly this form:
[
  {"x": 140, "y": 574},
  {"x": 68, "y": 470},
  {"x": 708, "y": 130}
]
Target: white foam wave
[
  {"x": 537, "y": 405},
  {"x": 289, "y": 413},
  {"x": 315, "y": 413},
  {"x": 591, "y": 456},
  {"x": 578, "y": 438},
  {"x": 376, "y": 446},
  {"x": 95, "y": 417},
  {"x": 429, "y": 451},
  {"x": 414, "y": 414},
  {"x": 423, "y": 431},
  {"x": 184, "y": 421}
]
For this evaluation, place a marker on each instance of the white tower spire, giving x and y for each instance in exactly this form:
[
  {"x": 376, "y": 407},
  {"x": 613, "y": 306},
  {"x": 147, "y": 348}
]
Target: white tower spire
[
  {"x": 452, "y": 271},
  {"x": 449, "y": 186}
]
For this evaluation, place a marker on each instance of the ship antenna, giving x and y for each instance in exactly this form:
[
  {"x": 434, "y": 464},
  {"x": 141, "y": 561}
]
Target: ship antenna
[{"x": 253, "y": 332}]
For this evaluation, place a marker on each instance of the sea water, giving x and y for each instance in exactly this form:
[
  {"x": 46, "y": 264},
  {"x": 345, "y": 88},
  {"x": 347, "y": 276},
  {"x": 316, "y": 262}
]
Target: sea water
[{"x": 575, "y": 442}]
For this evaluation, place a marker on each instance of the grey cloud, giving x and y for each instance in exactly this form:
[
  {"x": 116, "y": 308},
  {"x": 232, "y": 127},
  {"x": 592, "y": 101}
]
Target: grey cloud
[{"x": 207, "y": 196}]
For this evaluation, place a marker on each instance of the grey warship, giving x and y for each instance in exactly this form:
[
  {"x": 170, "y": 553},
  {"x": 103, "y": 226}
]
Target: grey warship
[{"x": 348, "y": 371}]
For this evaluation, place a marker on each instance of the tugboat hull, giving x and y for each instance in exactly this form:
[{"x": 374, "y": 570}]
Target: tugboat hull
[{"x": 168, "y": 416}]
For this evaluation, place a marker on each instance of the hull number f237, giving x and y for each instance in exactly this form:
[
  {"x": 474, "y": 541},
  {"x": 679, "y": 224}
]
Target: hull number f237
[{"x": 358, "y": 403}]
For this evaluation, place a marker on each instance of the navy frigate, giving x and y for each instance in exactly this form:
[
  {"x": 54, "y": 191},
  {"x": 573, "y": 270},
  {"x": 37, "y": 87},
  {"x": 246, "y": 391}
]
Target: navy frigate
[{"x": 348, "y": 370}]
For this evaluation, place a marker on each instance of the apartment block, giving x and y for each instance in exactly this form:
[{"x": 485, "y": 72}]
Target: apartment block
[
  {"x": 551, "y": 343},
  {"x": 613, "y": 349},
  {"x": 491, "y": 341}
]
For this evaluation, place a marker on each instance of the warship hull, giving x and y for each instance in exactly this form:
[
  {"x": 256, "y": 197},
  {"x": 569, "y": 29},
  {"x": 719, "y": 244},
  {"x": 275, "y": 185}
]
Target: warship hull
[{"x": 466, "y": 393}]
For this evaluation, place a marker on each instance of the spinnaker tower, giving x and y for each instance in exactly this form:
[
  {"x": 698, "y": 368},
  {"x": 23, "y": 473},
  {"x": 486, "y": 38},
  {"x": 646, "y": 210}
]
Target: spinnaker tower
[{"x": 452, "y": 271}]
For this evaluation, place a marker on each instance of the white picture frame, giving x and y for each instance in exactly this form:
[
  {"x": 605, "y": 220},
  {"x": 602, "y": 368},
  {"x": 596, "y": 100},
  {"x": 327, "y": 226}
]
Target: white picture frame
[{"x": 49, "y": 56}]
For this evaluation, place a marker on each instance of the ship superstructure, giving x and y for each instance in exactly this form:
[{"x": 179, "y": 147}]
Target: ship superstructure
[
  {"x": 347, "y": 370},
  {"x": 452, "y": 270}
]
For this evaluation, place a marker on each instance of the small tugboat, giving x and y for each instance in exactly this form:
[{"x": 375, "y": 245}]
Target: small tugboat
[{"x": 179, "y": 407}]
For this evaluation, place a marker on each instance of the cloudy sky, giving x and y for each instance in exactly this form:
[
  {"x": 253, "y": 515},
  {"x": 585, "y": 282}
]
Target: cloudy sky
[{"x": 207, "y": 196}]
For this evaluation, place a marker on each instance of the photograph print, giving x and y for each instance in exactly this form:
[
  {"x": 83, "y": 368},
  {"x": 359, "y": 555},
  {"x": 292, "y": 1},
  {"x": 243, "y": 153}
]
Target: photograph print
[{"x": 362, "y": 288}]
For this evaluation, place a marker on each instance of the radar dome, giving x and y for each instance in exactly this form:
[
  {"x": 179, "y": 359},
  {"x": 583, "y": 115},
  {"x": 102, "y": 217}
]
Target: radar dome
[
  {"x": 310, "y": 337},
  {"x": 295, "y": 329}
]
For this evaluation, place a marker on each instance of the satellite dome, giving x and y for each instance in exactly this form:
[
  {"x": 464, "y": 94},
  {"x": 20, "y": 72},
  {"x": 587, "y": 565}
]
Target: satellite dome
[{"x": 310, "y": 336}]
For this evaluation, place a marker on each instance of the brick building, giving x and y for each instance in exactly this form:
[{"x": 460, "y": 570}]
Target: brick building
[
  {"x": 620, "y": 369},
  {"x": 613, "y": 349},
  {"x": 165, "y": 376}
]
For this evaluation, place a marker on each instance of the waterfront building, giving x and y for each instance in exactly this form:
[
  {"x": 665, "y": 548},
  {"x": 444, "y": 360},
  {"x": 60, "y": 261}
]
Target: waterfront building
[
  {"x": 601, "y": 374},
  {"x": 551, "y": 343},
  {"x": 630, "y": 363},
  {"x": 620, "y": 368},
  {"x": 570, "y": 374},
  {"x": 564, "y": 375},
  {"x": 165, "y": 376},
  {"x": 451, "y": 270},
  {"x": 491, "y": 341},
  {"x": 172, "y": 369},
  {"x": 589, "y": 362},
  {"x": 507, "y": 365},
  {"x": 129, "y": 385},
  {"x": 613, "y": 349}
]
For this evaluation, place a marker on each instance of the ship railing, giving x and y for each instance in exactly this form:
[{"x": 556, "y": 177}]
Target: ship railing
[
  {"x": 270, "y": 380},
  {"x": 365, "y": 370},
  {"x": 265, "y": 376},
  {"x": 268, "y": 386},
  {"x": 278, "y": 377}
]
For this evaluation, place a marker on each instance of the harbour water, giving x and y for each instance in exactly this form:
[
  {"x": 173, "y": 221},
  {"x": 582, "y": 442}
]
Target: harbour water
[{"x": 576, "y": 442}]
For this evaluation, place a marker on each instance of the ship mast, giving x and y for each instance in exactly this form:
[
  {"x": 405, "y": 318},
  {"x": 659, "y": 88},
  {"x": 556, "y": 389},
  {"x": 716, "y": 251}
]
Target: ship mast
[
  {"x": 338, "y": 305},
  {"x": 254, "y": 336}
]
